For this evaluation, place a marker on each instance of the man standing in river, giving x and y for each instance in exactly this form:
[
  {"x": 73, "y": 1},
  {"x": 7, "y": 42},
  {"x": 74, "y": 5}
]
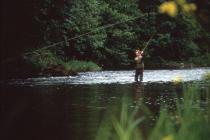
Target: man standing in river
[{"x": 139, "y": 65}]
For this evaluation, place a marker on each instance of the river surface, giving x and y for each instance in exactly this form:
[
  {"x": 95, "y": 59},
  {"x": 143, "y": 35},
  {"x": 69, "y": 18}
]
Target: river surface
[
  {"x": 111, "y": 77},
  {"x": 71, "y": 108}
]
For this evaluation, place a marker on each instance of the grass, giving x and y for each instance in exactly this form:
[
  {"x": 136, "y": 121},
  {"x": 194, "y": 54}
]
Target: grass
[
  {"x": 189, "y": 121},
  {"x": 126, "y": 126},
  {"x": 121, "y": 126},
  {"x": 81, "y": 66},
  {"x": 44, "y": 59}
]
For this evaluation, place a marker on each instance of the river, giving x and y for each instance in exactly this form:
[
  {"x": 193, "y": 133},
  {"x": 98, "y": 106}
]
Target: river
[
  {"x": 71, "y": 108},
  {"x": 111, "y": 77}
]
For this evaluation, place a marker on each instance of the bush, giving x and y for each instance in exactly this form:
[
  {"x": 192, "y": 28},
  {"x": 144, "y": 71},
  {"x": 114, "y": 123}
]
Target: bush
[
  {"x": 201, "y": 60},
  {"x": 42, "y": 59},
  {"x": 45, "y": 59},
  {"x": 81, "y": 66}
]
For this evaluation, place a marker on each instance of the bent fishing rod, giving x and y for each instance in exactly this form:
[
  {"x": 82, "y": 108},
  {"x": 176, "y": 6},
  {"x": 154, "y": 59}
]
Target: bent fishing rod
[{"x": 147, "y": 44}]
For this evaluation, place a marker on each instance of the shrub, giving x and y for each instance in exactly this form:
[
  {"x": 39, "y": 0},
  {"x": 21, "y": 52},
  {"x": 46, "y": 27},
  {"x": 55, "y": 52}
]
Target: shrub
[
  {"x": 81, "y": 66},
  {"x": 201, "y": 60},
  {"x": 43, "y": 58}
]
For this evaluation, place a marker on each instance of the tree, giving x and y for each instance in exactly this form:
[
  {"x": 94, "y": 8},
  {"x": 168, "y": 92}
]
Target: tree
[
  {"x": 82, "y": 17},
  {"x": 121, "y": 38}
]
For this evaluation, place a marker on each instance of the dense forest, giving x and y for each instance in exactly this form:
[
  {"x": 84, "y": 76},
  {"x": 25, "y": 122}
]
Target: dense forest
[{"x": 37, "y": 34}]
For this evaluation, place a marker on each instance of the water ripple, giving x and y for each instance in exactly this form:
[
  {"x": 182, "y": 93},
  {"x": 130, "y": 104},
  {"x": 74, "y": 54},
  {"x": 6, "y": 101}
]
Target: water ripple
[{"x": 110, "y": 77}]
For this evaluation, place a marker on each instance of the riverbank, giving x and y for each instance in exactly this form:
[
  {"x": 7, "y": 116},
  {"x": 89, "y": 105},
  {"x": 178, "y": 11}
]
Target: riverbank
[
  {"x": 171, "y": 65},
  {"x": 44, "y": 64},
  {"x": 24, "y": 69},
  {"x": 193, "y": 62},
  {"x": 176, "y": 64}
]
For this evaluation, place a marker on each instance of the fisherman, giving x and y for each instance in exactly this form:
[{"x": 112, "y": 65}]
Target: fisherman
[{"x": 139, "y": 65}]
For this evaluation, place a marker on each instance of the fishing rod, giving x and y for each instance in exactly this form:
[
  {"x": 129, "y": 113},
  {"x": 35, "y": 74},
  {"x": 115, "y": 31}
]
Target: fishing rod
[{"x": 147, "y": 44}]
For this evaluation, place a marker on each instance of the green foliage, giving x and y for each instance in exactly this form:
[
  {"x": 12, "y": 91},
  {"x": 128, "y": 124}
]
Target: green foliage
[
  {"x": 81, "y": 27},
  {"x": 43, "y": 58},
  {"x": 177, "y": 35},
  {"x": 49, "y": 19},
  {"x": 189, "y": 121},
  {"x": 126, "y": 127},
  {"x": 206, "y": 76},
  {"x": 83, "y": 17},
  {"x": 121, "y": 38},
  {"x": 203, "y": 60},
  {"x": 81, "y": 66},
  {"x": 120, "y": 124}
]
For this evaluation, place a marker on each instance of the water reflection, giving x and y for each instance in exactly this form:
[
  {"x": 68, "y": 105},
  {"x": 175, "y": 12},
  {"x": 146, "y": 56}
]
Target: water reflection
[
  {"x": 73, "y": 111},
  {"x": 139, "y": 90}
]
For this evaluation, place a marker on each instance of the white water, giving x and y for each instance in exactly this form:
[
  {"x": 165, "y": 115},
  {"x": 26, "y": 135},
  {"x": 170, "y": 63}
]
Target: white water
[{"x": 120, "y": 77}]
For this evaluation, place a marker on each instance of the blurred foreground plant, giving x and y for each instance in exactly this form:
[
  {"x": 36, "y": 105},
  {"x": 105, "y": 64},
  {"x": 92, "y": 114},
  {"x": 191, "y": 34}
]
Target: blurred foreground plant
[
  {"x": 121, "y": 125},
  {"x": 178, "y": 80},
  {"x": 190, "y": 119},
  {"x": 171, "y": 7},
  {"x": 206, "y": 76}
]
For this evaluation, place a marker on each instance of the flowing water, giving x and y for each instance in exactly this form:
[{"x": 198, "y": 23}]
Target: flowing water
[
  {"x": 71, "y": 108},
  {"x": 111, "y": 77}
]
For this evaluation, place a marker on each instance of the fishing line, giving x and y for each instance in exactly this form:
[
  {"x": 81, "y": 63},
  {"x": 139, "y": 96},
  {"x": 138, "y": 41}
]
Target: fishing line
[
  {"x": 84, "y": 34},
  {"x": 73, "y": 38}
]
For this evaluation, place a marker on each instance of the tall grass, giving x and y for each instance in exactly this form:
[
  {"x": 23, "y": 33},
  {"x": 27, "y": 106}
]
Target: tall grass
[
  {"x": 190, "y": 120},
  {"x": 120, "y": 125},
  {"x": 126, "y": 126}
]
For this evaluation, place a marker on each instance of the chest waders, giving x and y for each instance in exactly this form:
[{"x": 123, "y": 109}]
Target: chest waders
[{"x": 139, "y": 70}]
